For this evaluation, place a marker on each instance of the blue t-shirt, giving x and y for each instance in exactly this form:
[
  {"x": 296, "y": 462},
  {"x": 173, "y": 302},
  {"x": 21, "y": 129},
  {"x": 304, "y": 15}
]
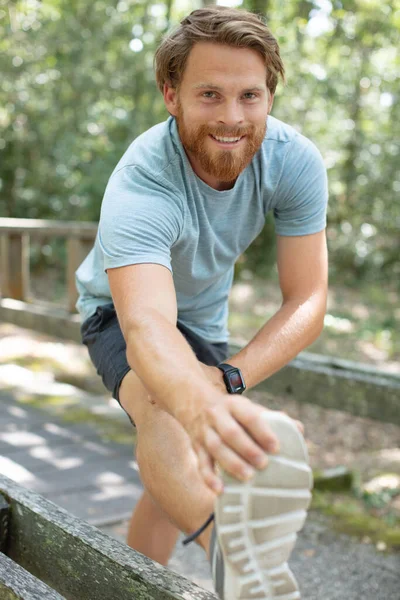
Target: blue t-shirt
[{"x": 156, "y": 210}]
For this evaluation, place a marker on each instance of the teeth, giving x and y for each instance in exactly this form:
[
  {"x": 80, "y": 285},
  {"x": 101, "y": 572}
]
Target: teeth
[{"x": 227, "y": 139}]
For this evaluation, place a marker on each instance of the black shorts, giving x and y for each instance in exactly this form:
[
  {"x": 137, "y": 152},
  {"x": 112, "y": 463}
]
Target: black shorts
[{"x": 102, "y": 335}]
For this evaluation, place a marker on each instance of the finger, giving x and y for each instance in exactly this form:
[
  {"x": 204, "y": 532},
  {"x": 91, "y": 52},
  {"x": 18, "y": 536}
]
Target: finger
[
  {"x": 254, "y": 419},
  {"x": 238, "y": 439},
  {"x": 226, "y": 458},
  {"x": 207, "y": 471}
]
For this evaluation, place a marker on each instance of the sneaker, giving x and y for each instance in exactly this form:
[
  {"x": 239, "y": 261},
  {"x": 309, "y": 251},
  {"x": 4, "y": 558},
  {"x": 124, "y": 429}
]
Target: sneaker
[{"x": 256, "y": 522}]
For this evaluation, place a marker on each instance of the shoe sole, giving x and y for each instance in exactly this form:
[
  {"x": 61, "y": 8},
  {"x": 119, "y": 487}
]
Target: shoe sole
[{"x": 257, "y": 521}]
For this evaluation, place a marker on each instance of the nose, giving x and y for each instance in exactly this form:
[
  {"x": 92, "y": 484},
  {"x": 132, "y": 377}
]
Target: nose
[{"x": 231, "y": 113}]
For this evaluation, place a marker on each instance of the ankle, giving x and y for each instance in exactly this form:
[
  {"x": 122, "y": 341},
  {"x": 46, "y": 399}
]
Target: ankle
[{"x": 204, "y": 540}]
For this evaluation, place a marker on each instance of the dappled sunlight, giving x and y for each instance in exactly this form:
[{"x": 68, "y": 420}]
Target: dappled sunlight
[
  {"x": 338, "y": 324},
  {"x": 388, "y": 481},
  {"x": 15, "y": 342},
  {"x": 62, "y": 432},
  {"x": 21, "y": 438},
  {"x": 109, "y": 478},
  {"x": 47, "y": 455},
  {"x": 109, "y": 492},
  {"x": 18, "y": 412},
  {"x": 360, "y": 324},
  {"x": 15, "y": 471},
  {"x": 42, "y": 382},
  {"x": 97, "y": 448}
]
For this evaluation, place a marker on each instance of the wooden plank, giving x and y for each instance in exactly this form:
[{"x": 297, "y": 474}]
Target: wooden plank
[
  {"x": 80, "y": 561},
  {"x": 79, "y": 230},
  {"x": 4, "y": 521},
  {"x": 18, "y": 584},
  {"x": 53, "y": 321},
  {"x": 107, "y": 477},
  {"x": 49, "y": 433},
  {"x": 40, "y": 459},
  {"x": 11, "y": 412},
  {"x": 96, "y": 507}
]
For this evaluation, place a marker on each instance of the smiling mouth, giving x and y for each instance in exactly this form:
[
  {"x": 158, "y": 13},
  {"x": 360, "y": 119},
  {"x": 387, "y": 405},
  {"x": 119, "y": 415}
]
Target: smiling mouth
[{"x": 227, "y": 140}]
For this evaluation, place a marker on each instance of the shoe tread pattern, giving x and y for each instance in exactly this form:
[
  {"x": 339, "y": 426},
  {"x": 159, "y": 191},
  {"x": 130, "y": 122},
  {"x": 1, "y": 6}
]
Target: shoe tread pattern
[{"x": 257, "y": 521}]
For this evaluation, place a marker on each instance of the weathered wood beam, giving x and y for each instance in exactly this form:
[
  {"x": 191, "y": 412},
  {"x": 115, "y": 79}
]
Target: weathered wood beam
[
  {"x": 75, "y": 229},
  {"x": 326, "y": 381},
  {"x": 42, "y": 318},
  {"x": 81, "y": 562},
  {"x": 18, "y": 584}
]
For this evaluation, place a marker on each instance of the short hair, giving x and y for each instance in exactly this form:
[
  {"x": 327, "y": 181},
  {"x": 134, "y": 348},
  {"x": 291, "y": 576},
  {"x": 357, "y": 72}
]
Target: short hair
[{"x": 221, "y": 25}]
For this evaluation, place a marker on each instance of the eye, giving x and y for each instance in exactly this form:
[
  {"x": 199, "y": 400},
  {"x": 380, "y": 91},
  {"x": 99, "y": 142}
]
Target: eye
[
  {"x": 208, "y": 94},
  {"x": 250, "y": 96}
]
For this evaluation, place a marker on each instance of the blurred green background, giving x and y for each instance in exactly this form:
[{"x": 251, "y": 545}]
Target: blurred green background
[{"x": 77, "y": 86}]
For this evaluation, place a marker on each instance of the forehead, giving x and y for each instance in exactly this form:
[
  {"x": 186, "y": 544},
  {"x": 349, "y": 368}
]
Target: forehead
[{"x": 221, "y": 65}]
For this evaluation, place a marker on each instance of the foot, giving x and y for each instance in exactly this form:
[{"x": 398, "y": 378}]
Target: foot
[{"x": 256, "y": 522}]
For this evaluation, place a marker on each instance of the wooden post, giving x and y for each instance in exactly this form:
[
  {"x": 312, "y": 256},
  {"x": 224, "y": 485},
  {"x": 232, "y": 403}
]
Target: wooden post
[
  {"x": 15, "y": 265},
  {"x": 3, "y": 265},
  {"x": 77, "y": 250}
]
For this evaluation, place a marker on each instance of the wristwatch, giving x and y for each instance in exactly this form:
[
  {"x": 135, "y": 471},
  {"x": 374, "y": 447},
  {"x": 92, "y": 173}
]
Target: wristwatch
[{"x": 233, "y": 378}]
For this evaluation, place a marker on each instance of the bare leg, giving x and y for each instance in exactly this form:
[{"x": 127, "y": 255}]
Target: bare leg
[
  {"x": 151, "y": 531},
  {"x": 168, "y": 465}
]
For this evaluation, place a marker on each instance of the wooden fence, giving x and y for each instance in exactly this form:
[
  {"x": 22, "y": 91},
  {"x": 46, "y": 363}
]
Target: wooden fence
[
  {"x": 327, "y": 381},
  {"x": 16, "y": 302},
  {"x": 15, "y": 238}
]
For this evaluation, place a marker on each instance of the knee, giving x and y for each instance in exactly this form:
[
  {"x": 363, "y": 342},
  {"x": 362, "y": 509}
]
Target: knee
[{"x": 135, "y": 399}]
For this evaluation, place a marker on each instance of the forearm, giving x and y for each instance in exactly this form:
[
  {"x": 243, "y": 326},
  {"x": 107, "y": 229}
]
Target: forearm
[
  {"x": 167, "y": 366},
  {"x": 294, "y": 327}
]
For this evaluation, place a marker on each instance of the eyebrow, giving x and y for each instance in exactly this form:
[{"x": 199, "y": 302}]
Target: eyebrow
[{"x": 217, "y": 88}]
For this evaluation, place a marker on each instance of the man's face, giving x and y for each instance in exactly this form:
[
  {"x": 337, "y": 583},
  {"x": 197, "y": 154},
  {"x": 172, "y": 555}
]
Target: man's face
[{"x": 221, "y": 109}]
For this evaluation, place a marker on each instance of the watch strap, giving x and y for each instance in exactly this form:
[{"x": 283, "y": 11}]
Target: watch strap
[
  {"x": 228, "y": 369},
  {"x": 225, "y": 368}
]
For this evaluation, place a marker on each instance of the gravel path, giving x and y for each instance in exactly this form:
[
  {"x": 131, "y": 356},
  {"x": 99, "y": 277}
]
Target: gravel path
[{"x": 328, "y": 566}]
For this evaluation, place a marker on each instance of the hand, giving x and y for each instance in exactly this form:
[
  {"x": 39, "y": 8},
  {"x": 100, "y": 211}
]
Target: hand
[
  {"x": 215, "y": 376},
  {"x": 232, "y": 431}
]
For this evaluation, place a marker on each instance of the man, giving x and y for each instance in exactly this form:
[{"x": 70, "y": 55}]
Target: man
[{"x": 186, "y": 199}]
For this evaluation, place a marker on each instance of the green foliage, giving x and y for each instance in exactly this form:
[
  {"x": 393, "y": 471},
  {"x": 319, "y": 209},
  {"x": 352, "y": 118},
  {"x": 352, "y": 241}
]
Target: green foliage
[{"x": 78, "y": 87}]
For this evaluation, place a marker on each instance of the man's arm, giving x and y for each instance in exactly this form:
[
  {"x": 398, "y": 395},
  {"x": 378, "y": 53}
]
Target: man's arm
[
  {"x": 303, "y": 276},
  {"x": 223, "y": 428},
  {"x": 145, "y": 301}
]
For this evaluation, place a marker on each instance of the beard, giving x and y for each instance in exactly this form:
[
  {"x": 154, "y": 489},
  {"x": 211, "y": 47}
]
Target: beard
[{"x": 224, "y": 165}]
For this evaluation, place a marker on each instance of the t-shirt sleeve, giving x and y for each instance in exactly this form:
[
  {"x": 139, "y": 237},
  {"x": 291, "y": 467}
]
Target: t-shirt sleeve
[
  {"x": 141, "y": 219},
  {"x": 302, "y": 194}
]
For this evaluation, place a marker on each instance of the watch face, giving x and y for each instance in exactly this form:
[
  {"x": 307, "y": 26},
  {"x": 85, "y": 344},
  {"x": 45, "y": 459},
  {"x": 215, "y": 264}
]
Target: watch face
[{"x": 235, "y": 381}]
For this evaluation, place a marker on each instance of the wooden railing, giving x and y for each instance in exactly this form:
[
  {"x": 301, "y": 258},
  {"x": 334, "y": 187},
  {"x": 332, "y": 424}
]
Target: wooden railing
[
  {"x": 47, "y": 553},
  {"x": 15, "y": 238},
  {"x": 330, "y": 382}
]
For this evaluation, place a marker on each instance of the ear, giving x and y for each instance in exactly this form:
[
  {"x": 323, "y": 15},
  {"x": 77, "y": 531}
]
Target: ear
[{"x": 170, "y": 99}]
